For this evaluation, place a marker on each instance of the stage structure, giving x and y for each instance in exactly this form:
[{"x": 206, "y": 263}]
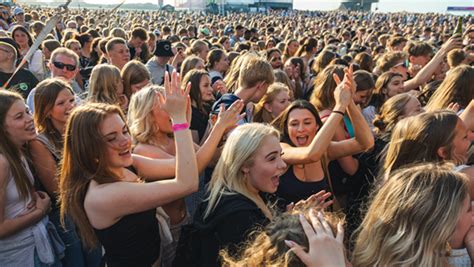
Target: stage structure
[
  {"x": 361, "y": 5},
  {"x": 234, "y": 5}
]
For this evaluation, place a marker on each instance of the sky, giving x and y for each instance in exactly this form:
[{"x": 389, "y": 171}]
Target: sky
[{"x": 383, "y": 5}]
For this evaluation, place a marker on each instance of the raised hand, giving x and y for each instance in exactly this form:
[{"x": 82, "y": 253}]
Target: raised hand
[
  {"x": 325, "y": 249},
  {"x": 229, "y": 118},
  {"x": 345, "y": 88},
  {"x": 175, "y": 99},
  {"x": 453, "y": 42},
  {"x": 316, "y": 201}
]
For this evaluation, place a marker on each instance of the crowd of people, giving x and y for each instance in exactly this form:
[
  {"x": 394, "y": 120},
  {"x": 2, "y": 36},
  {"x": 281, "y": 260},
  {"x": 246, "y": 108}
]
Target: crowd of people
[{"x": 291, "y": 138}]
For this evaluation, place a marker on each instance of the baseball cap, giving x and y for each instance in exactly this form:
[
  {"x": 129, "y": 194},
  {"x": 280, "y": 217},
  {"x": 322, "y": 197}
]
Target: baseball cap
[
  {"x": 18, "y": 10},
  {"x": 163, "y": 49}
]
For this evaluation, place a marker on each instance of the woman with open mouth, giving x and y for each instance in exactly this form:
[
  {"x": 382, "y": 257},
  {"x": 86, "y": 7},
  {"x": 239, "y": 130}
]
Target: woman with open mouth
[{"x": 307, "y": 145}]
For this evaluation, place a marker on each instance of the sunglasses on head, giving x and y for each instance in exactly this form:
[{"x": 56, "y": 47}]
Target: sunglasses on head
[
  {"x": 405, "y": 64},
  {"x": 61, "y": 65}
]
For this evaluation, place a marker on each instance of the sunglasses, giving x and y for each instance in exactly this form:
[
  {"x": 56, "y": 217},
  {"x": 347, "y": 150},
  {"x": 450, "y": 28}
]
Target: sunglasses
[
  {"x": 61, "y": 65},
  {"x": 405, "y": 64}
]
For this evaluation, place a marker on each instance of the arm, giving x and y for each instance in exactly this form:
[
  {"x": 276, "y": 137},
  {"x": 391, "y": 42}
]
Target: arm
[
  {"x": 362, "y": 141},
  {"x": 317, "y": 147},
  {"x": 9, "y": 227},
  {"x": 45, "y": 166},
  {"x": 226, "y": 120},
  {"x": 319, "y": 144},
  {"x": 123, "y": 198},
  {"x": 425, "y": 74}
]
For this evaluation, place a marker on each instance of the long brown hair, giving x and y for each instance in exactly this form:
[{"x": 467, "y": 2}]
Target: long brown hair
[
  {"x": 133, "y": 72},
  {"x": 46, "y": 93},
  {"x": 323, "y": 94},
  {"x": 9, "y": 150},
  {"x": 84, "y": 161},
  {"x": 194, "y": 77}
]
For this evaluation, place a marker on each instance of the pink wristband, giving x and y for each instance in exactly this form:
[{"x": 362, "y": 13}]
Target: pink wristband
[{"x": 180, "y": 127}]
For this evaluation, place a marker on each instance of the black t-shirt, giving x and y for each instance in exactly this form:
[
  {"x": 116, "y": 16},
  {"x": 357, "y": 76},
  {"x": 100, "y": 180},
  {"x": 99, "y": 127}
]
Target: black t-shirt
[
  {"x": 23, "y": 82},
  {"x": 199, "y": 122}
]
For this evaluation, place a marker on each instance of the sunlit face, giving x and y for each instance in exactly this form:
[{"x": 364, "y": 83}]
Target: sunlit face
[
  {"x": 20, "y": 38},
  {"x": 394, "y": 87},
  {"x": 119, "y": 55},
  {"x": 19, "y": 124},
  {"x": 223, "y": 64},
  {"x": 76, "y": 48},
  {"x": 203, "y": 53},
  {"x": 461, "y": 142},
  {"x": 412, "y": 108},
  {"x": 293, "y": 47},
  {"x": 151, "y": 45},
  {"x": 206, "y": 89},
  {"x": 119, "y": 142},
  {"x": 279, "y": 103},
  {"x": 302, "y": 127},
  {"x": 226, "y": 45},
  {"x": 138, "y": 86},
  {"x": 275, "y": 60},
  {"x": 63, "y": 73},
  {"x": 264, "y": 173},
  {"x": 161, "y": 117},
  {"x": 63, "y": 105}
]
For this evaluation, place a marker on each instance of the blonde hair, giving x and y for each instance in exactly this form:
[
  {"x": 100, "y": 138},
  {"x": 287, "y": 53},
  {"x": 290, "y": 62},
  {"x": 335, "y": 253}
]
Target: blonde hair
[
  {"x": 455, "y": 88},
  {"x": 140, "y": 114},
  {"x": 238, "y": 152},
  {"x": 256, "y": 70},
  {"x": 103, "y": 84},
  {"x": 260, "y": 113},
  {"x": 118, "y": 32},
  {"x": 411, "y": 218},
  {"x": 232, "y": 78},
  {"x": 391, "y": 112}
]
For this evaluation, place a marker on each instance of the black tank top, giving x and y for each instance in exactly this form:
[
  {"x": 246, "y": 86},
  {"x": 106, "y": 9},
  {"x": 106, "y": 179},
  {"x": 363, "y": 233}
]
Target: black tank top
[
  {"x": 132, "y": 241},
  {"x": 291, "y": 189}
]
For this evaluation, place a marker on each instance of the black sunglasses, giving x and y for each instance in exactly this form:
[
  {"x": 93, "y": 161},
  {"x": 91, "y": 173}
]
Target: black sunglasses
[{"x": 61, "y": 65}]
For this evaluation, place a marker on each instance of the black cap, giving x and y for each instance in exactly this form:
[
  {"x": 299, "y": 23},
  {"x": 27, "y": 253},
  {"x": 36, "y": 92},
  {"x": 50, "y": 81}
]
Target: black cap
[
  {"x": 163, "y": 49},
  {"x": 10, "y": 41}
]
